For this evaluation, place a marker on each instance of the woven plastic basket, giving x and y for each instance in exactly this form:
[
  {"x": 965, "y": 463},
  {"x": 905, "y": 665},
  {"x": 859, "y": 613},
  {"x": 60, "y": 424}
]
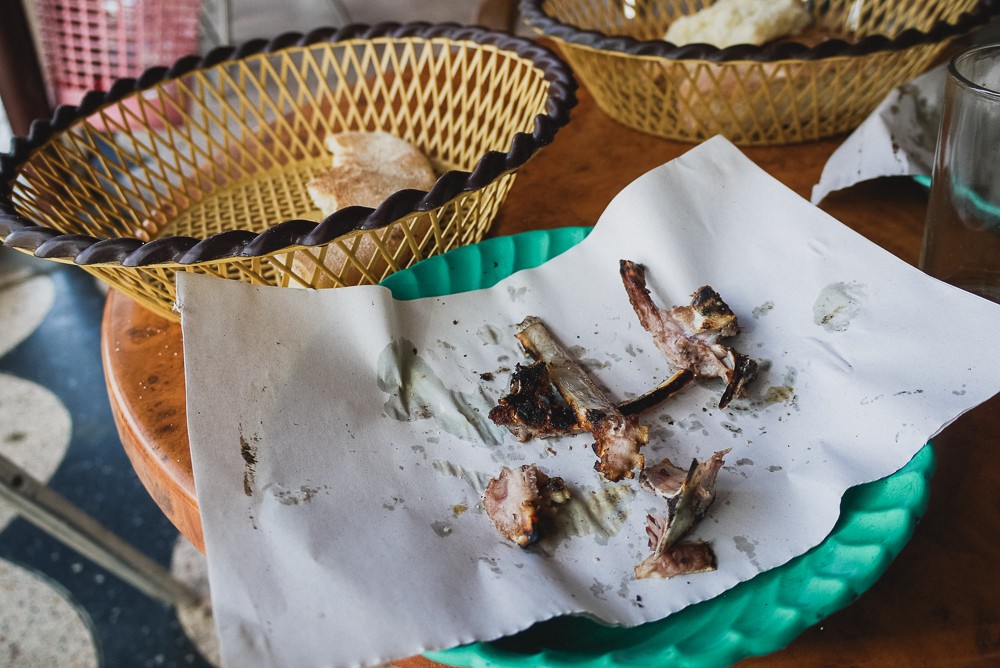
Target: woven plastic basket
[
  {"x": 133, "y": 200},
  {"x": 780, "y": 93}
]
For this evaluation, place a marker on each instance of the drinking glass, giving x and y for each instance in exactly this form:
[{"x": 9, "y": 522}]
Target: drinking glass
[{"x": 962, "y": 232}]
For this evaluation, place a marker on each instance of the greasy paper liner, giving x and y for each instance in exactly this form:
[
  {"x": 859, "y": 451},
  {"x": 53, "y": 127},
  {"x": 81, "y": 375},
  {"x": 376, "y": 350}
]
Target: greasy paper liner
[
  {"x": 756, "y": 617},
  {"x": 201, "y": 166},
  {"x": 779, "y": 93}
]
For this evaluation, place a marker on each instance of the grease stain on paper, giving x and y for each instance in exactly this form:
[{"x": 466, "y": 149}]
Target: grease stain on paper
[
  {"x": 291, "y": 497},
  {"x": 599, "y": 589},
  {"x": 442, "y": 529},
  {"x": 598, "y": 513},
  {"x": 489, "y": 334},
  {"x": 747, "y": 547},
  {"x": 838, "y": 304},
  {"x": 778, "y": 394},
  {"x": 417, "y": 393},
  {"x": 692, "y": 424},
  {"x": 492, "y": 563},
  {"x": 393, "y": 503},
  {"x": 772, "y": 395},
  {"x": 763, "y": 310},
  {"x": 516, "y": 294}
]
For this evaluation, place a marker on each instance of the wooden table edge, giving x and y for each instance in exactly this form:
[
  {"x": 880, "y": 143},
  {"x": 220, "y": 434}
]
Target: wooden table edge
[{"x": 170, "y": 484}]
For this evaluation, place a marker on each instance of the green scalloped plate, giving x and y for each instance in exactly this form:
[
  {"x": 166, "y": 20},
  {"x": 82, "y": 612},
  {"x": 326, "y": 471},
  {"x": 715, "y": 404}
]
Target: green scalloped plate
[{"x": 756, "y": 617}]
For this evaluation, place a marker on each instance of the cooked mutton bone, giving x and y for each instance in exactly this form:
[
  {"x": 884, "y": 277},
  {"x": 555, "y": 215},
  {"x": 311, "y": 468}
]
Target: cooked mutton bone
[
  {"x": 519, "y": 502},
  {"x": 688, "y": 496},
  {"x": 618, "y": 438},
  {"x": 532, "y": 409},
  {"x": 689, "y": 336},
  {"x": 688, "y": 493}
]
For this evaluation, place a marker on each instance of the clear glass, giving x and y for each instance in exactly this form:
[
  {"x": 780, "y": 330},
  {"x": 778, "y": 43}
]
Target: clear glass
[{"x": 962, "y": 232}]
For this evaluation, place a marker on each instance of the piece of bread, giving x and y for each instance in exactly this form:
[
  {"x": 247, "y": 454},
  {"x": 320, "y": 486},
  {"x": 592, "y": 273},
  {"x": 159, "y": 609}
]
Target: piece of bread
[
  {"x": 730, "y": 22},
  {"x": 367, "y": 167},
  {"x": 377, "y": 150},
  {"x": 350, "y": 185}
]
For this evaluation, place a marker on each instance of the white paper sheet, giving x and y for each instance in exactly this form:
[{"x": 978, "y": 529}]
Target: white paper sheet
[
  {"x": 897, "y": 139},
  {"x": 341, "y": 513}
]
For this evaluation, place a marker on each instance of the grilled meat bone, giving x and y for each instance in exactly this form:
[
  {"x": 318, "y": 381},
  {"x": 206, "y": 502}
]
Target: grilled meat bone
[
  {"x": 533, "y": 409},
  {"x": 519, "y": 502},
  {"x": 618, "y": 438},
  {"x": 689, "y": 336}
]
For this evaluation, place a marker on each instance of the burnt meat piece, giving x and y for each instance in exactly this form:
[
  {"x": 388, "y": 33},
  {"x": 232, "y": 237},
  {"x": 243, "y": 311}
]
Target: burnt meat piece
[
  {"x": 689, "y": 336},
  {"x": 519, "y": 502},
  {"x": 618, "y": 438},
  {"x": 533, "y": 409}
]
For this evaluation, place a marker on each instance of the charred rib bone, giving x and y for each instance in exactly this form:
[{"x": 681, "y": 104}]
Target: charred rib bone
[
  {"x": 533, "y": 410},
  {"x": 618, "y": 438},
  {"x": 688, "y": 499},
  {"x": 668, "y": 388},
  {"x": 520, "y": 500},
  {"x": 688, "y": 336}
]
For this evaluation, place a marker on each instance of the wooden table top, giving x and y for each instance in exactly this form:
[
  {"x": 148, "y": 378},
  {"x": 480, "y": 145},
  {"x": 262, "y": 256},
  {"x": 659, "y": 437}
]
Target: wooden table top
[{"x": 938, "y": 603}]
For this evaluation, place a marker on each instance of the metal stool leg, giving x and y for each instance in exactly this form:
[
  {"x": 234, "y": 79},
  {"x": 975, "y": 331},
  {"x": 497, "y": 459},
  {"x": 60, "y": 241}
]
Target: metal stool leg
[{"x": 58, "y": 517}]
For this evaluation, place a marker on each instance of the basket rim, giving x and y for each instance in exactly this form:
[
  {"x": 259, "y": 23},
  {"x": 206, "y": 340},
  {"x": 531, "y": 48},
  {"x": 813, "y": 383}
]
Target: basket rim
[
  {"x": 45, "y": 242},
  {"x": 532, "y": 13}
]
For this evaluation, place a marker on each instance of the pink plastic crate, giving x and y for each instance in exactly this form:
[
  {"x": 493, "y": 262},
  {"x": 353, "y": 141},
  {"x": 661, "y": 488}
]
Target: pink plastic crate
[{"x": 87, "y": 44}]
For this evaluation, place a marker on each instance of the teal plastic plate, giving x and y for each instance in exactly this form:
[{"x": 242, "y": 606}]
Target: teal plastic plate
[{"x": 756, "y": 617}]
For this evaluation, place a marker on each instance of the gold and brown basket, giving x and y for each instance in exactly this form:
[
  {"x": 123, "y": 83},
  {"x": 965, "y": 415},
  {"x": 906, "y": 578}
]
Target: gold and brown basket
[
  {"x": 779, "y": 93},
  {"x": 203, "y": 166}
]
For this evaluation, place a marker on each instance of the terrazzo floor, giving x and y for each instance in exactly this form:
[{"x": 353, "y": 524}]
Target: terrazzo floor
[{"x": 57, "y": 608}]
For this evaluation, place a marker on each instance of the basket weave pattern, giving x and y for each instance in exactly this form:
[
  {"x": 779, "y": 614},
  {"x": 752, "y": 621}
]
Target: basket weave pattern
[
  {"x": 87, "y": 44},
  {"x": 750, "y": 103},
  {"x": 785, "y": 94},
  {"x": 134, "y": 198}
]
